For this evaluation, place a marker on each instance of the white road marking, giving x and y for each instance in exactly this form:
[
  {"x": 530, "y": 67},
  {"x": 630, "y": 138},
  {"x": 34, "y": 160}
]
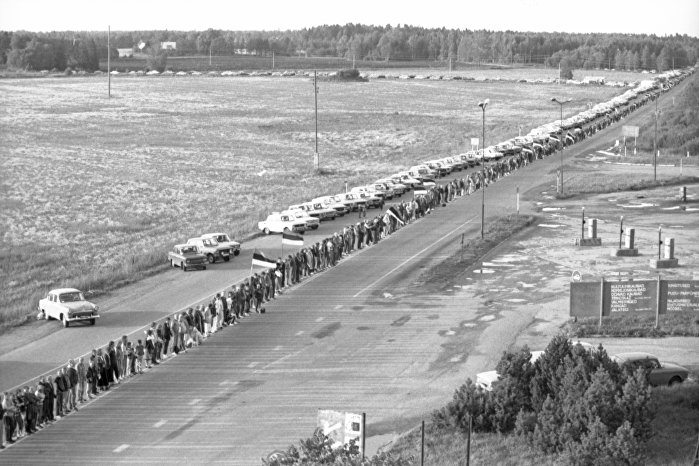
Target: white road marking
[
  {"x": 298, "y": 334},
  {"x": 160, "y": 423},
  {"x": 411, "y": 258},
  {"x": 339, "y": 306},
  {"x": 252, "y": 364},
  {"x": 320, "y": 319},
  {"x": 277, "y": 348},
  {"x": 121, "y": 448},
  {"x": 194, "y": 401}
]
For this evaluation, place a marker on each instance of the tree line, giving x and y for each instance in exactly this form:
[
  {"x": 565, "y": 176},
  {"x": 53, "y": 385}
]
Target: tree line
[{"x": 83, "y": 50}]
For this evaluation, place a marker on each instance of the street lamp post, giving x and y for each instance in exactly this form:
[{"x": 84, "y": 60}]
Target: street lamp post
[
  {"x": 561, "y": 103},
  {"x": 483, "y": 105}
]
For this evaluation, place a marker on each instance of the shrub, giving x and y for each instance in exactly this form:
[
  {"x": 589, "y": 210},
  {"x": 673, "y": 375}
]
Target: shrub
[
  {"x": 570, "y": 401},
  {"x": 318, "y": 450}
]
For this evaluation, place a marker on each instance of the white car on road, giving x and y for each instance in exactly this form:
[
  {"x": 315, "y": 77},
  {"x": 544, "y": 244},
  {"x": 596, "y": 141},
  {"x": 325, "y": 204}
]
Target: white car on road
[
  {"x": 224, "y": 241},
  {"x": 68, "y": 305}
]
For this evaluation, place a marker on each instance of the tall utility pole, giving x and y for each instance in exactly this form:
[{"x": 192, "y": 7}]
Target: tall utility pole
[
  {"x": 272, "y": 59},
  {"x": 483, "y": 105},
  {"x": 109, "y": 74},
  {"x": 316, "y": 157},
  {"x": 209, "y": 54}
]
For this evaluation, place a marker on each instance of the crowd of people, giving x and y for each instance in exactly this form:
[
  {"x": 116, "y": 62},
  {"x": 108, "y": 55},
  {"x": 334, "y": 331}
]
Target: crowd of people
[{"x": 35, "y": 406}]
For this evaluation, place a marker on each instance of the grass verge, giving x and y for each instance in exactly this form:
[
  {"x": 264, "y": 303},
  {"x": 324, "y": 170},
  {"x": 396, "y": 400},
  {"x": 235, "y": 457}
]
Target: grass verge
[
  {"x": 673, "y": 443},
  {"x": 676, "y": 325},
  {"x": 443, "y": 275},
  {"x": 602, "y": 183}
]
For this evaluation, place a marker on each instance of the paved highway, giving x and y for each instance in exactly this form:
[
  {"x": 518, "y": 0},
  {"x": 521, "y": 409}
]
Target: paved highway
[{"x": 356, "y": 337}]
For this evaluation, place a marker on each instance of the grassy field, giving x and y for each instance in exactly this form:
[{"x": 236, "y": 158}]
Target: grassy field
[{"x": 96, "y": 190}]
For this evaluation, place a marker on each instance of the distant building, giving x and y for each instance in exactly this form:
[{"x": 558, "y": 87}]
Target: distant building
[
  {"x": 168, "y": 45},
  {"x": 125, "y": 52},
  {"x": 301, "y": 52}
]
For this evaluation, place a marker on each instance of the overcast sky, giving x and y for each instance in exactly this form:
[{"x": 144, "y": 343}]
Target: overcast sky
[{"x": 626, "y": 16}]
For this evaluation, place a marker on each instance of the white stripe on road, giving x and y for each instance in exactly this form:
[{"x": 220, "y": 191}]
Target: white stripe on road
[
  {"x": 298, "y": 334},
  {"x": 320, "y": 319},
  {"x": 252, "y": 364},
  {"x": 411, "y": 258},
  {"x": 339, "y": 306},
  {"x": 277, "y": 348},
  {"x": 194, "y": 401},
  {"x": 160, "y": 423},
  {"x": 121, "y": 448}
]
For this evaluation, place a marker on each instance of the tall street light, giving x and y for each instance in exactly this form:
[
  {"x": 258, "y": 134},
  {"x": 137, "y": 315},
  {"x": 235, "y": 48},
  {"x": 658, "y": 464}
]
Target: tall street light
[
  {"x": 483, "y": 105},
  {"x": 561, "y": 103}
]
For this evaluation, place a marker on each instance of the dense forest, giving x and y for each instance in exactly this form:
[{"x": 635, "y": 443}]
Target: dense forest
[{"x": 83, "y": 50}]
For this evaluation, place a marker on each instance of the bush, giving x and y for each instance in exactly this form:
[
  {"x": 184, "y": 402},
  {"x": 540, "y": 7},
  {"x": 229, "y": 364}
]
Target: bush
[
  {"x": 318, "y": 450},
  {"x": 570, "y": 401}
]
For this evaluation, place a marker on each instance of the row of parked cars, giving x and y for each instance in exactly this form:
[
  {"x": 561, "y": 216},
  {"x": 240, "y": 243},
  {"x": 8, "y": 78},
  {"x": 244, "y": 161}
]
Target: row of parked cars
[
  {"x": 196, "y": 253},
  {"x": 305, "y": 216}
]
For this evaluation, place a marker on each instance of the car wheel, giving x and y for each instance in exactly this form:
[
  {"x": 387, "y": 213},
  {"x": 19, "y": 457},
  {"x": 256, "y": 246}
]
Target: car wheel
[
  {"x": 286, "y": 229},
  {"x": 265, "y": 231},
  {"x": 184, "y": 267},
  {"x": 203, "y": 268},
  {"x": 674, "y": 381},
  {"x": 66, "y": 324},
  {"x": 237, "y": 252},
  {"x": 172, "y": 264},
  {"x": 92, "y": 321},
  {"x": 210, "y": 258},
  {"x": 227, "y": 258}
]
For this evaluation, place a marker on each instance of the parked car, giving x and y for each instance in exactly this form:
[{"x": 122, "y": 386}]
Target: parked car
[
  {"x": 329, "y": 202},
  {"x": 279, "y": 222},
  {"x": 658, "y": 373},
  {"x": 352, "y": 200},
  {"x": 211, "y": 249},
  {"x": 186, "y": 256},
  {"x": 225, "y": 241},
  {"x": 485, "y": 380},
  {"x": 317, "y": 210},
  {"x": 312, "y": 223},
  {"x": 68, "y": 305}
]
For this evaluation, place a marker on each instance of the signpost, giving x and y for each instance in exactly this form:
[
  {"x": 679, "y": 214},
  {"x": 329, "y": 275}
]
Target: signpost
[
  {"x": 342, "y": 427},
  {"x": 474, "y": 143},
  {"x": 633, "y": 296},
  {"x": 631, "y": 132}
]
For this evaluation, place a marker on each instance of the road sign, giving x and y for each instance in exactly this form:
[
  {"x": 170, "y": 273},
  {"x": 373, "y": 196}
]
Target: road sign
[
  {"x": 474, "y": 141},
  {"x": 576, "y": 276},
  {"x": 629, "y": 131}
]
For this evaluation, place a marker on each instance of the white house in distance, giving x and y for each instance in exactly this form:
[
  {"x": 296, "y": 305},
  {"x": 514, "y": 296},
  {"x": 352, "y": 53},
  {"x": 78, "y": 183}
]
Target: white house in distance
[
  {"x": 168, "y": 45},
  {"x": 124, "y": 53}
]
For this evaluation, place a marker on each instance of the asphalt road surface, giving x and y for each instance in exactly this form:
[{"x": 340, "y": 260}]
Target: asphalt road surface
[{"x": 335, "y": 341}]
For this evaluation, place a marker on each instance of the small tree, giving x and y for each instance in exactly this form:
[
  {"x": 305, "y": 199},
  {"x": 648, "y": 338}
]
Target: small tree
[{"x": 156, "y": 59}]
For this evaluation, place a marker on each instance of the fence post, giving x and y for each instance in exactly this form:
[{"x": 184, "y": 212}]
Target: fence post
[
  {"x": 601, "y": 302},
  {"x": 657, "y": 302},
  {"x": 422, "y": 446}
]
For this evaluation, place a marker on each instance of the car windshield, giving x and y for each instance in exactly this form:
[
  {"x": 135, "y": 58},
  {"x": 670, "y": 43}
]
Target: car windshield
[
  {"x": 222, "y": 238},
  {"x": 71, "y": 297},
  {"x": 189, "y": 249},
  {"x": 210, "y": 242},
  {"x": 286, "y": 218},
  {"x": 318, "y": 206}
]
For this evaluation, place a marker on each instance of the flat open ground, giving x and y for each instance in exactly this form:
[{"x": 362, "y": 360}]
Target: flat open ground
[{"x": 92, "y": 185}]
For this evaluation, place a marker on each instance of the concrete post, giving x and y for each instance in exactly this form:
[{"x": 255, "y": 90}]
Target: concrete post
[
  {"x": 630, "y": 237},
  {"x": 592, "y": 228},
  {"x": 683, "y": 194},
  {"x": 669, "y": 248}
]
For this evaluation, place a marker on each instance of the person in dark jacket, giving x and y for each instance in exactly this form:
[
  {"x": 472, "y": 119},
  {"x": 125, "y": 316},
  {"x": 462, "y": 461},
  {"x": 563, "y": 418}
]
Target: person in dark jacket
[
  {"x": 92, "y": 376},
  {"x": 73, "y": 378},
  {"x": 60, "y": 390}
]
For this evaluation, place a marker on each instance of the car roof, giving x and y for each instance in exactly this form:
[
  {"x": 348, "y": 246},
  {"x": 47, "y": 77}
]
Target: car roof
[
  {"x": 209, "y": 235},
  {"x": 634, "y": 356},
  {"x": 183, "y": 245},
  {"x": 64, "y": 290}
]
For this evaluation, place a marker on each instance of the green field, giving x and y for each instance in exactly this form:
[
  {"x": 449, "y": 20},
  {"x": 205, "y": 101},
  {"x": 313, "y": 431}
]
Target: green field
[{"x": 96, "y": 189}]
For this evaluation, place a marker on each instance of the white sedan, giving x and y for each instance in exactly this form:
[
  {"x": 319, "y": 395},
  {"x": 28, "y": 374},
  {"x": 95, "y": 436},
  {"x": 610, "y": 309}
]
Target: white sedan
[{"x": 68, "y": 305}]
